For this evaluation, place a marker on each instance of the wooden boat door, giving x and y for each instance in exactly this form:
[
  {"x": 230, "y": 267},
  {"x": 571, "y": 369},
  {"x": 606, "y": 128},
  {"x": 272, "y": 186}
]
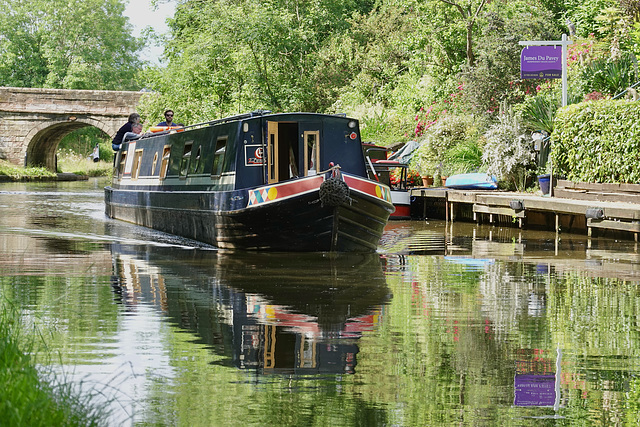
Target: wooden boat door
[
  {"x": 283, "y": 151},
  {"x": 272, "y": 152}
]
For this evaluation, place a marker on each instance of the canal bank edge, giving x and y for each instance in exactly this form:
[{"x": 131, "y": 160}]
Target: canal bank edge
[{"x": 66, "y": 176}]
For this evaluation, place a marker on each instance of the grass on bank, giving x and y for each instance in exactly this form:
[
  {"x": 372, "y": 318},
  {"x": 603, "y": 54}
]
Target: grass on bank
[
  {"x": 26, "y": 398},
  {"x": 19, "y": 172},
  {"x": 70, "y": 161}
]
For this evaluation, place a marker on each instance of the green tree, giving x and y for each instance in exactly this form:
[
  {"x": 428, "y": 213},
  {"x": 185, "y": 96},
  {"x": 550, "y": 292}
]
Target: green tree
[
  {"x": 71, "y": 44},
  {"x": 233, "y": 56},
  {"x": 583, "y": 14},
  {"x": 495, "y": 77},
  {"x": 469, "y": 11}
]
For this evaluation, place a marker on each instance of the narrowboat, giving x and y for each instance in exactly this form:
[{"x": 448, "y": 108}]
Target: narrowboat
[
  {"x": 393, "y": 174},
  {"x": 256, "y": 181}
]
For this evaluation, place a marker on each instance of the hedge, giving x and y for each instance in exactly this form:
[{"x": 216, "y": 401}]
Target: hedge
[{"x": 598, "y": 141}]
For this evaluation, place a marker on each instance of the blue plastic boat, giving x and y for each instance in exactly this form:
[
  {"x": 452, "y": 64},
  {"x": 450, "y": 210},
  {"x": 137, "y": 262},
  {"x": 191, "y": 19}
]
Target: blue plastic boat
[{"x": 472, "y": 181}]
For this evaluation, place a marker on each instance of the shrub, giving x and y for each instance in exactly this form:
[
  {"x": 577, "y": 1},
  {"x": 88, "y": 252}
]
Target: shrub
[
  {"x": 466, "y": 156},
  {"x": 538, "y": 111},
  {"x": 610, "y": 76},
  {"x": 444, "y": 134},
  {"x": 508, "y": 150},
  {"x": 598, "y": 141}
]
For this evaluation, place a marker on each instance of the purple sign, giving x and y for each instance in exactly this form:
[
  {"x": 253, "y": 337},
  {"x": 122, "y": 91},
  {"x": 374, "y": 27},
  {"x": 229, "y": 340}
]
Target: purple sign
[
  {"x": 534, "y": 390},
  {"x": 541, "y": 62}
]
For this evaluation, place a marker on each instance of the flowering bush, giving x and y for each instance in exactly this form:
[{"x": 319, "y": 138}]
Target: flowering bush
[
  {"x": 413, "y": 177},
  {"x": 395, "y": 177},
  {"x": 508, "y": 150},
  {"x": 429, "y": 117}
]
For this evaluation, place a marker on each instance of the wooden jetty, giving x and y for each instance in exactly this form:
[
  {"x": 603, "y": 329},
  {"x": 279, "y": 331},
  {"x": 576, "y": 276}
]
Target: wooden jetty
[{"x": 574, "y": 207}]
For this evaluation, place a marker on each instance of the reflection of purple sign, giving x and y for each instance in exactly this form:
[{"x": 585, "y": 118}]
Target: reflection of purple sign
[
  {"x": 534, "y": 390},
  {"x": 541, "y": 62}
]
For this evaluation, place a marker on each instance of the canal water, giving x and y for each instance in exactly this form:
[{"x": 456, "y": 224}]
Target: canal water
[{"x": 447, "y": 324}]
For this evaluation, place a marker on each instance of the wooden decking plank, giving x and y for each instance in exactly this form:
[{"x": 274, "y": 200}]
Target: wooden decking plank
[
  {"x": 633, "y": 227},
  {"x": 484, "y": 209}
]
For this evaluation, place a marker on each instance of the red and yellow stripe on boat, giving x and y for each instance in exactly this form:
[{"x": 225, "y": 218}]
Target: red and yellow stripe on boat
[
  {"x": 369, "y": 187},
  {"x": 277, "y": 192}
]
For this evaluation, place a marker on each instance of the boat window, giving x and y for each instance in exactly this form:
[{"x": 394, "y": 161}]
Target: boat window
[
  {"x": 123, "y": 161},
  {"x": 195, "y": 162},
  {"x": 137, "y": 161},
  {"x": 272, "y": 159},
  {"x": 164, "y": 167},
  {"x": 186, "y": 158},
  {"x": 311, "y": 152},
  {"x": 218, "y": 158},
  {"x": 154, "y": 164}
]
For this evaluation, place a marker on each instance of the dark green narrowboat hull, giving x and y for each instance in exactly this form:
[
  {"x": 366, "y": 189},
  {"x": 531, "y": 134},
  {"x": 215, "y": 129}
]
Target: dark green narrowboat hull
[{"x": 298, "y": 224}]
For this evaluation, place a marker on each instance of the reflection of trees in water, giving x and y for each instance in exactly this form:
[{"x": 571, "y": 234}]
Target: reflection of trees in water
[
  {"x": 513, "y": 296},
  {"x": 529, "y": 305}
]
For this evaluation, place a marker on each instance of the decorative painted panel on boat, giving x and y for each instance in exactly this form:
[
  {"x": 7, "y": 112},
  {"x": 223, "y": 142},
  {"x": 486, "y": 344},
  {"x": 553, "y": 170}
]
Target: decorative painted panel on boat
[{"x": 254, "y": 155}]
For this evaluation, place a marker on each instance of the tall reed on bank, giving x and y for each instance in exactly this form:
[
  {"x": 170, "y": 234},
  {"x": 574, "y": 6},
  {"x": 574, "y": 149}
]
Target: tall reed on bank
[{"x": 33, "y": 397}]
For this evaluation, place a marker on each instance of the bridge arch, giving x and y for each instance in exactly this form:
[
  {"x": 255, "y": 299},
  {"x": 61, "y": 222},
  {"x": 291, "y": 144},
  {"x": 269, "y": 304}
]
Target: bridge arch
[
  {"x": 33, "y": 121},
  {"x": 44, "y": 138}
]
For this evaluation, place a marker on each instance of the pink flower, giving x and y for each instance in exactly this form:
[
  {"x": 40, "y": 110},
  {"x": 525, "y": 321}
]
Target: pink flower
[{"x": 538, "y": 88}]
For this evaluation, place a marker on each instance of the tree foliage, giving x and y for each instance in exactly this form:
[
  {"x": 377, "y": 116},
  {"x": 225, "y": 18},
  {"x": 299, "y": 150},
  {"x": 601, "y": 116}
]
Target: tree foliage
[
  {"x": 72, "y": 44},
  {"x": 496, "y": 76},
  {"x": 228, "y": 56}
]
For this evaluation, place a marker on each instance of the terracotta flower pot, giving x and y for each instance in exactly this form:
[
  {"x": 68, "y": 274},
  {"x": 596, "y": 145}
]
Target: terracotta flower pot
[{"x": 427, "y": 181}]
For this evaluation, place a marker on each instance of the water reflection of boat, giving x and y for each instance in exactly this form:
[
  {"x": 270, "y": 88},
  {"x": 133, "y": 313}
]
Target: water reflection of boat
[{"x": 268, "y": 312}]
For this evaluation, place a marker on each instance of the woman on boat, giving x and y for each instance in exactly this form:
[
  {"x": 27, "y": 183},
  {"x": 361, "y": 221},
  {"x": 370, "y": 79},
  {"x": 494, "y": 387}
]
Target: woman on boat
[{"x": 134, "y": 118}]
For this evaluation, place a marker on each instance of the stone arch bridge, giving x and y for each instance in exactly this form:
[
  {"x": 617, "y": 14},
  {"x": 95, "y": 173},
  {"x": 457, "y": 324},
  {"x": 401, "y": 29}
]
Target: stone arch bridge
[{"x": 34, "y": 120}]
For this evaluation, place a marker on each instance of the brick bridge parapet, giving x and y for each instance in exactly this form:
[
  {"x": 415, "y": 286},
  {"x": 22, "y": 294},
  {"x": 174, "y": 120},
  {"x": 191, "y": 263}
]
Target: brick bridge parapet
[{"x": 34, "y": 120}]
